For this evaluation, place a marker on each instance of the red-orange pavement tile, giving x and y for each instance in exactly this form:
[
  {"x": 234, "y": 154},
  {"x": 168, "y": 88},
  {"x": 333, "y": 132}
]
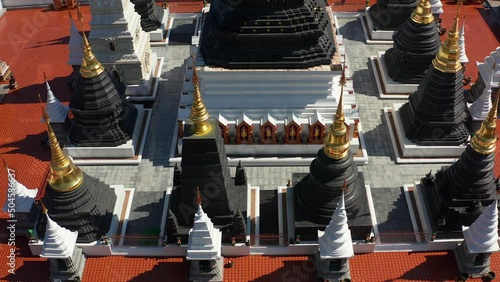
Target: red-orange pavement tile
[
  {"x": 271, "y": 268},
  {"x": 119, "y": 268}
]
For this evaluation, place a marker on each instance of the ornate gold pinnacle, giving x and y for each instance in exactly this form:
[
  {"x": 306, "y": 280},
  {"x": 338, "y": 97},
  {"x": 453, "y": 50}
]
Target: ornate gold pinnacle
[
  {"x": 423, "y": 13},
  {"x": 448, "y": 58},
  {"x": 337, "y": 139},
  {"x": 199, "y": 115},
  {"x": 90, "y": 67}
]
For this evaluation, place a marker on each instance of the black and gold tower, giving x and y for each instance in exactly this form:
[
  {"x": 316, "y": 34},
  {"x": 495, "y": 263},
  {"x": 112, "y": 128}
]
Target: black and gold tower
[
  {"x": 102, "y": 116},
  {"x": 391, "y": 14},
  {"x": 272, "y": 34},
  {"x": 332, "y": 172},
  {"x": 415, "y": 46},
  {"x": 75, "y": 200},
  {"x": 435, "y": 114}
]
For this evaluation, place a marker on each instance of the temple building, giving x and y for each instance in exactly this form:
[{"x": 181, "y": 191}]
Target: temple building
[
  {"x": 287, "y": 54},
  {"x": 75, "y": 200},
  {"x": 331, "y": 173},
  {"x": 122, "y": 46},
  {"x": 456, "y": 196},
  {"x": 205, "y": 167},
  {"x": 151, "y": 14},
  {"x": 415, "y": 46},
  {"x": 435, "y": 114},
  {"x": 391, "y": 14},
  {"x": 101, "y": 115}
]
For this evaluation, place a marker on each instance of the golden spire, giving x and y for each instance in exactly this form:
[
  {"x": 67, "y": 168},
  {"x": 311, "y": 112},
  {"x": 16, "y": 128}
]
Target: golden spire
[
  {"x": 485, "y": 139},
  {"x": 423, "y": 13},
  {"x": 199, "y": 115},
  {"x": 91, "y": 67},
  {"x": 64, "y": 175},
  {"x": 337, "y": 139},
  {"x": 448, "y": 58}
]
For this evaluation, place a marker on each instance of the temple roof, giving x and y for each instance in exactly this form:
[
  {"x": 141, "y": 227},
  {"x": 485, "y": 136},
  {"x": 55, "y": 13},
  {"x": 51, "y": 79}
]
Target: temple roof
[
  {"x": 59, "y": 242},
  {"x": 482, "y": 235},
  {"x": 336, "y": 242}
]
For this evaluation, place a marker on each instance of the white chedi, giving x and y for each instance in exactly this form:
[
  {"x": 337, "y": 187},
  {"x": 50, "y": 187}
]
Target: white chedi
[
  {"x": 23, "y": 197},
  {"x": 75, "y": 46},
  {"x": 461, "y": 44},
  {"x": 205, "y": 241},
  {"x": 336, "y": 242},
  {"x": 436, "y": 7},
  {"x": 482, "y": 235},
  {"x": 480, "y": 108},
  {"x": 59, "y": 242},
  {"x": 56, "y": 110}
]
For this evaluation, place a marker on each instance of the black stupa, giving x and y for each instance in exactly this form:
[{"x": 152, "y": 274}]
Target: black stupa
[
  {"x": 391, "y": 14},
  {"x": 267, "y": 34},
  {"x": 458, "y": 193},
  {"x": 102, "y": 117},
  {"x": 435, "y": 114},
  {"x": 151, "y": 14},
  {"x": 75, "y": 200},
  {"x": 415, "y": 45},
  {"x": 205, "y": 167},
  {"x": 332, "y": 172}
]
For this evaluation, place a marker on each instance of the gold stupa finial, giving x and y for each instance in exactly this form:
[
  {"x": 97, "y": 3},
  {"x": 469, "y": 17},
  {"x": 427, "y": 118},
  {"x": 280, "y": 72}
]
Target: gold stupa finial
[
  {"x": 64, "y": 175},
  {"x": 485, "y": 139},
  {"x": 337, "y": 139},
  {"x": 423, "y": 13},
  {"x": 448, "y": 57},
  {"x": 199, "y": 115},
  {"x": 198, "y": 196},
  {"x": 90, "y": 67}
]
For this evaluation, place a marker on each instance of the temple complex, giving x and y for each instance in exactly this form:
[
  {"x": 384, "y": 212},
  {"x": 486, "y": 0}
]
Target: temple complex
[
  {"x": 435, "y": 114},
  {"x": 75, "y": 200},
  {"x": 205, "y": 167},
  {"x": 456, "y": 196},
  {"x": 102, "y": 117},
  {"x": 415, "y": 46},
  {"x": 391, "y": 14},
  {"x": 122, "y": 46},
  {"x": 332, "y": 172}
]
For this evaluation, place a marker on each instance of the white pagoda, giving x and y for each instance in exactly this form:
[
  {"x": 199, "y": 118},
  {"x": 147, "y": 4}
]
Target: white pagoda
[
  {"x": 436, "y": 8},
  {"x": 59, "y": 246},
  {"x": 121, "y": 45},
  {"x": 461, "y": 43},
  {"x": 335, "y": 247},
  {"x": 23, "y": 197},
  {"x": 204, "y": 249},
  {"x": 56, "y": 110},
  {"x": 480, "y": 108},
  {"x": 480, "y": 241}
]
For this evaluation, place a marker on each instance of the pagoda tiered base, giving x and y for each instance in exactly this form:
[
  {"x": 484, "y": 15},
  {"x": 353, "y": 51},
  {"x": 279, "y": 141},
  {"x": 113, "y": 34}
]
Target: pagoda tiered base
[
  {"x": 215, "y": 274},
  {"x": 68, "y": 269},
  {"x": 467, "y": 264},
  {"x": 360, "y": 226},
  {"x": 388, "y": 88},
  {"x": 128, "y": 153},
  {"x": 372, "y": 35},
  {"x": 159, "y": 34},
  {"x": 325, "y": 272},
  {"x": 408, "y": 152}
]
